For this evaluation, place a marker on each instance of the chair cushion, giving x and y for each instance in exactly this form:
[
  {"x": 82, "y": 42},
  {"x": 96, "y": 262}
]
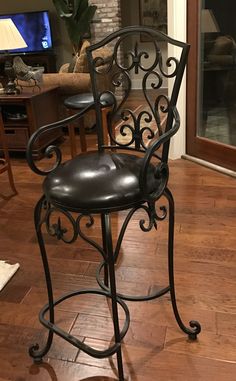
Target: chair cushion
[
  {"x": 96, "y": 181},
  {"x": 80, "y": 101}
]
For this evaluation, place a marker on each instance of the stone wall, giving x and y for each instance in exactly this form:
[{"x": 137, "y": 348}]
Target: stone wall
[{"x": 107, "y": 18}]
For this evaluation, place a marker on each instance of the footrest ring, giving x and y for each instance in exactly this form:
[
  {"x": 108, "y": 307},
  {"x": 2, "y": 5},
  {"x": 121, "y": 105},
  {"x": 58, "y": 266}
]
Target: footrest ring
[{"x": 73, "y": 340}]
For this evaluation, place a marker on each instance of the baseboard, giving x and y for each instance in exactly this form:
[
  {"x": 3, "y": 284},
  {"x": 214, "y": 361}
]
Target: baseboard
[{"x": 215, "y": 167}]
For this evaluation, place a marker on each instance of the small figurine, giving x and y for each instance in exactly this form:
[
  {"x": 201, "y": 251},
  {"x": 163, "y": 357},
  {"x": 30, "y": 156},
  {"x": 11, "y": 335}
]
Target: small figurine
[{"x": 27, "y": 73}]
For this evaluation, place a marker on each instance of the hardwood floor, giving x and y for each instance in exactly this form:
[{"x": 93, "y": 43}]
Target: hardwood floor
[{"x": 154, "y": 349}]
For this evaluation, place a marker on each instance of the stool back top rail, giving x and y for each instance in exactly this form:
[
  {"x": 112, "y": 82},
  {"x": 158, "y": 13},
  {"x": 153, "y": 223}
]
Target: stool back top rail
[{"x": 128, "y": 170}]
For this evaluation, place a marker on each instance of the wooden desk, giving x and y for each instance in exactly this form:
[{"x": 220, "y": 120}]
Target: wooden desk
[{"x": 24, "y": 113}]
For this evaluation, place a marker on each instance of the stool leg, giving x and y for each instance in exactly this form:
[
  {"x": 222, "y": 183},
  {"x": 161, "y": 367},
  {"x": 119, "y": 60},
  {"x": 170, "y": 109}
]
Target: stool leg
[
  {"x": 83, "y": 143},
  {"x": 112, "y": 280},
  {"x": 72, "y": 136},
  {"x": 196, "y": 327},
  {"x": 71, "y": 132},
  {"x": 105, "y": 267},
  {"x": 34, "y": 350},
  {"x": 106, "y": 137}
]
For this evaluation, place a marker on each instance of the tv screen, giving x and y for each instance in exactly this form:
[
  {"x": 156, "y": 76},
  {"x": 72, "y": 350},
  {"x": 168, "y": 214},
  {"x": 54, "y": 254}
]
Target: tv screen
[{"x": 34, "y": 28}]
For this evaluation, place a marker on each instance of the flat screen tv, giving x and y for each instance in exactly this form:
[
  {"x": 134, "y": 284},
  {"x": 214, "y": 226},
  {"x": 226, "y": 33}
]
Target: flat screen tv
[{"x": 34, "y": 28}]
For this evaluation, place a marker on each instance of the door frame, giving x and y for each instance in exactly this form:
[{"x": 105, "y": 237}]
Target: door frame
[
  {"x": 200, "y": 147},
  {"x": 177, "y": 25}
]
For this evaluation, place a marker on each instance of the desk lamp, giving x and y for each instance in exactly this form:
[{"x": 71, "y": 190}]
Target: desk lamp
[{"x": 10, "y": 39}]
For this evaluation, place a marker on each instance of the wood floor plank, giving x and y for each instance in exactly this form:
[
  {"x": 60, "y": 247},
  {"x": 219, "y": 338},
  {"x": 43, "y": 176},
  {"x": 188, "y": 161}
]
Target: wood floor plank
[
  {"x": 145, "y": 363},
  {"x": 209, "y": 345}
]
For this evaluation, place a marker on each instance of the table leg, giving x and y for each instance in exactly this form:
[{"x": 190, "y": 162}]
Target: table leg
[{"x": 5, "y": 162}]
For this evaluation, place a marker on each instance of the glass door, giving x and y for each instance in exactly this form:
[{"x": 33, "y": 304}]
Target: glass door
[{"x": 211, "y": 96}]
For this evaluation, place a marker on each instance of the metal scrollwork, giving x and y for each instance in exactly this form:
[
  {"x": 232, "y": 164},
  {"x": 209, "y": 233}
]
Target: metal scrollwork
[
  {"x": 138, "y": 130},
  {"x": 146, "y": 131},
  {"x": 153, "y": 76},
  {"x": 56, "y": 229},
  {"x": 170, "y": 62},
  {"x": 122, "y": 79},
  {"x": 126, "y": 128},
  {"x": 89, "y": 224},
  {"x": 151, "y": 222},
  {"x": 153, "y": 217},
  {"x": 162, "y": 104},
  {"x": 51, "y": 152},
  {"x": 132, "y": 130},
  {"x": 102, "y": 65},
  {"x": 136, "y": 56}
]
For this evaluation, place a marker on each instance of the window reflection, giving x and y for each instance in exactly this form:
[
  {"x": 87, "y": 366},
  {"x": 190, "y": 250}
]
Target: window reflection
[{"x": 218, "y": 73}]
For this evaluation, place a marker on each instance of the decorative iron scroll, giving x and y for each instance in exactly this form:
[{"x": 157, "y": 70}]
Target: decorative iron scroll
[
  {"x": 75, "y": 224},
  {"x": 137, "y": 128},
  {"x": 153, "y": 218},
  {"x": 73, "y": 229},
  {"x": 51, "y": 152}
]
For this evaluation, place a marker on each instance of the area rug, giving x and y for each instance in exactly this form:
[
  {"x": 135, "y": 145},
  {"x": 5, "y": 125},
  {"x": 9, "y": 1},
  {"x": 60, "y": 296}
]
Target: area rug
[{"x": 6, "y": 272}]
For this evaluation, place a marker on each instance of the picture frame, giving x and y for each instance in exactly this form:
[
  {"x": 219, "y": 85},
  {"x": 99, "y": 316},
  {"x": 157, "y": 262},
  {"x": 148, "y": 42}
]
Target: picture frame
[{"x": 153, "y": 14}]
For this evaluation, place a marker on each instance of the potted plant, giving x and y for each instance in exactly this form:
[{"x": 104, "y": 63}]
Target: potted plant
[{"x": 77, "y": 16}]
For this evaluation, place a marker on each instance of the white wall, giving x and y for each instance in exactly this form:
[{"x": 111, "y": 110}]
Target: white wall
[{"x": 177, "y": 22}]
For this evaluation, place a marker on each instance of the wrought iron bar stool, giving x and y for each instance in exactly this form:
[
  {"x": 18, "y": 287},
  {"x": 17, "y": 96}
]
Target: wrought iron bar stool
[{"x": 130, "y": 174}]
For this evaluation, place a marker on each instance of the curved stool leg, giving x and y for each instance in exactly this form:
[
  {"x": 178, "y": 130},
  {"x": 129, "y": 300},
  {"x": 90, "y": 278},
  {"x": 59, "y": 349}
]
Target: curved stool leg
[
  {"x": 105, "y": 268},
  {"x": 111, "y": 270},
  {"x": 196, "y": 327},
  {"x": 34, "y": 350}
]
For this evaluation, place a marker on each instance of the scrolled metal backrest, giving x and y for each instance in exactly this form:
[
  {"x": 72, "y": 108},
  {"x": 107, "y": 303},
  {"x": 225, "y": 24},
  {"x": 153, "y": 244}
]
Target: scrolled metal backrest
[{"x": 133, "y": 64}]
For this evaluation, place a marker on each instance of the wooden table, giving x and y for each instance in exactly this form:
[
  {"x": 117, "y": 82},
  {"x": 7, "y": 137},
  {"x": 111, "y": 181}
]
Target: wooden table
[{"x": 24, "y": 113}]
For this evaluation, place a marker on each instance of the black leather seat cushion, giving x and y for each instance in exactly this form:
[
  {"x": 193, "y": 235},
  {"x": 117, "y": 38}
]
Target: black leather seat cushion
[
  {"x": 80, "y": 101},
  {"x": 97, "y": 181}
]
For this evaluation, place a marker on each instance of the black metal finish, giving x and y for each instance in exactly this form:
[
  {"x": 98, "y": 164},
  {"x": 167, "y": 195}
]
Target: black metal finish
[{"x": 112, "y": 180}]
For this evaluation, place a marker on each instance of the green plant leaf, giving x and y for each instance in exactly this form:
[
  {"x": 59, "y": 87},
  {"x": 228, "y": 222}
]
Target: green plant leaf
[
  {"x": 78, "y": 21},
  {"x": 79, "y": 7},
  {"x": 62, "y": 8}
]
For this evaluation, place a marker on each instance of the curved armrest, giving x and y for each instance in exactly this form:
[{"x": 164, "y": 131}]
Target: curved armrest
[
  {"x": 51, "y": 150},
  {"x": 161, "y": 171}
]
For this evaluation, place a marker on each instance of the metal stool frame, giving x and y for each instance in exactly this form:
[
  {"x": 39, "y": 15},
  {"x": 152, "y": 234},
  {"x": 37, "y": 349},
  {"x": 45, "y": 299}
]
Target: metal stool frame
[{"x": 145, "y": 198}]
